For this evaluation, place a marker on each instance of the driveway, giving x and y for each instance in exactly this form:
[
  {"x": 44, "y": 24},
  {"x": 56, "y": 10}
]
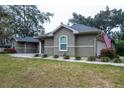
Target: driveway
[{"x": 27, "y": 55}]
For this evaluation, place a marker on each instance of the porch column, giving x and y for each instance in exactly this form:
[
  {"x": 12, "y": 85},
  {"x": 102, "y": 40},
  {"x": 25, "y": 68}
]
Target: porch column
[{"x": 39, "y": 47}]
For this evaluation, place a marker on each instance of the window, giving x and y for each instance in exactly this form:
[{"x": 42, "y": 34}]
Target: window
[{"x": 63, "y": 43}]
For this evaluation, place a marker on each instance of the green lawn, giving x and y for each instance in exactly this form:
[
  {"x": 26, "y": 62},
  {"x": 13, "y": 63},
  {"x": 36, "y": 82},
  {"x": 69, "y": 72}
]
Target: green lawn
[{"x": 20, "y": 72}]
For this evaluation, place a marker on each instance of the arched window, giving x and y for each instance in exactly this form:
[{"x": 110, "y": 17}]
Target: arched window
[{"x": 63, "y": 41}]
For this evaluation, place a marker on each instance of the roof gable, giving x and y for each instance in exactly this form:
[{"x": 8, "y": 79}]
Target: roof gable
[{"x": 65, "y": 26}]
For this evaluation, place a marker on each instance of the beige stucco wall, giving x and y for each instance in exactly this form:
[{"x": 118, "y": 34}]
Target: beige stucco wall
[
  {"x": 48, "y": 46},
  {"x": 71, "y": 42},
  {"x": 85, "y": 45},
  {"x": 78, "y": 45}
]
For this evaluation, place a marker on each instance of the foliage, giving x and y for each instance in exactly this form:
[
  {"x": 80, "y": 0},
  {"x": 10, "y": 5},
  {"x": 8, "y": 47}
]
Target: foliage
[
  {"x": 22, "y": 20},
  {"x": 120, "y": 47},
  {"x": 66, "y": 57},
  {"x": 78, "y": 18},
  {"x": 5, "y": 25},
  {"x": 108, "y": 52},
  {"x": 105, "y": 20},
  {"x": 36, "y": 55},
  {"x": 55, "y": 56},
  {"x": 10, "y": 50},
  {"x": 91, "y": 58},
  {"x": 44, "y": 55},
  {"x": 117, "y": 56},
  {"x": 78, "y": 58},
  {"x": 28, "y": 20},
  {"x": 105, "y": 59},
  {"x": 117, "y": 60}
]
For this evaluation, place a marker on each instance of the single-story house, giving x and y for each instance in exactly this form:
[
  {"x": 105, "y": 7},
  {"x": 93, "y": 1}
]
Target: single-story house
[
  {"x": 25, "y": 44},
  {"x": 75, "y": 40}
]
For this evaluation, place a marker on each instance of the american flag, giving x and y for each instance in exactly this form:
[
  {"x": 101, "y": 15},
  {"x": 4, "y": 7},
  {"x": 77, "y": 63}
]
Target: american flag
[{"x": 107, "y": 40}]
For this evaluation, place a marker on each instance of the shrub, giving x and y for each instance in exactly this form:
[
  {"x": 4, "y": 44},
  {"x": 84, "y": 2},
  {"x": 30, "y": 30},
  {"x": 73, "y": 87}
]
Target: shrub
[
  {"x": 105, "y": 59},
  {"x": 120, "y": 47},
  {"x": 44, "y": 55},
  {"x": 55, "y": 56},
  {"x": 2, "y": 52},
  {"x": 117, "y": 56},
  {"x": 78, "y": 58},
  {"x": 117, "y": 60},
  {"x": 10, "y": 50},
  {"x": 108, "y": 52},
  {"x": 66, "y": 57},
  {"x": 91, "y": 58},
  {"x": 36, "y": 55}
]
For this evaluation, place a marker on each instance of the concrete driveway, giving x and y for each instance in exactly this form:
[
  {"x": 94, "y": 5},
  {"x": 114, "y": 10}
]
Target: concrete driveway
[{"x": 24, "y": 55}]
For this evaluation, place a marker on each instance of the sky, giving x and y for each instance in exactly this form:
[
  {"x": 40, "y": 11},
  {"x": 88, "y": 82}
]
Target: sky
[
  {"x": 63, "y": 14},
  {"x": 63, "y": 9}
]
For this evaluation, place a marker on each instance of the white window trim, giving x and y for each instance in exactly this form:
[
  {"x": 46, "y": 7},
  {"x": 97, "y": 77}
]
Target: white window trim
[{"x": 66, "y": 43}]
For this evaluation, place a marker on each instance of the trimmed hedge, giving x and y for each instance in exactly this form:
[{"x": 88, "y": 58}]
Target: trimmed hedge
[
  {"x": 91, "y": 58},
  {"x": 10, "y": 50},
  {"x": 36, "y": 55},
  {"x": 55, "y": 56},
  {"x": 105, "y": 59},
  {"x": 77, "y": 58},
  {"x": 117, "y": 60},
  {"x": 44, "y": 55},
  {"x": 108, "y": 52},
  {"x": 66, "y": 57}
]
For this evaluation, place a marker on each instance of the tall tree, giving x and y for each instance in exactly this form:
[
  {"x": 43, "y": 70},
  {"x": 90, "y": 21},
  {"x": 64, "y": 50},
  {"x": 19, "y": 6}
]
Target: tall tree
[
  {"x": 5, "y": 30},
  {"x": 28, "y": 20},
  {"x": 78, "y": 18},
  {"x": 22, "y": 20},
  {"x": 105, "y": 20}
]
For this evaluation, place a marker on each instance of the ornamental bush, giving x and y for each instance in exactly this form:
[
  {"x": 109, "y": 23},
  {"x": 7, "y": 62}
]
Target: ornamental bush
[
  {"x": 10, "y": 50},
  {"x": 55, "y": 56},
  {"x": 105, "y": 59},
  {"x": 117, "y": 60},
  {"x": 120, "y": 47},
  {"x": 36, "y": 55},
  {"x": 66, "y": 57},
  {"x": 44, "y": 55},
  {"x": 78, "y": 58},
  {"x": 91, "y": 58},
  {"x": 108, "y": 52}
]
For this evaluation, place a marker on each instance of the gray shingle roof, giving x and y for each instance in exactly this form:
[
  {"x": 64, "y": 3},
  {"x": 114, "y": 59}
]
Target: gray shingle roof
[
  {"x": 79, "y": 28},
  {"x": 26, "y": 39},
  {"x": 83, "y": 28}
]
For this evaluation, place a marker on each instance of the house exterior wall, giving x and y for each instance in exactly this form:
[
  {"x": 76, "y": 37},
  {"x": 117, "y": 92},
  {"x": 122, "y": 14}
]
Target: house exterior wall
[
  {"x": 78, "y": 45},
  {"x": 22, "y": 47},
  {"x": 100, "y": 46},
  {"x": 48, "y": 46},
  {"x": 85, "y": 45},
  {"x": 71, "y": 42}
]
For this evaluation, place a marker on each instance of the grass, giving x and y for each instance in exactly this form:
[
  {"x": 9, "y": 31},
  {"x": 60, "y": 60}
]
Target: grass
[{"x": 22, "y": 72}]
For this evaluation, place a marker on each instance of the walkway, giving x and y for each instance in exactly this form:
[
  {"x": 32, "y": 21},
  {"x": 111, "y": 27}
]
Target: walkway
[{"x": 69, "y": 60}]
